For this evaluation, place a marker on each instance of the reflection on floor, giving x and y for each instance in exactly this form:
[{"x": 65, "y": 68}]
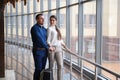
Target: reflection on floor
[
  {"x": 21, "y": 60},
  {"x": 9, "y": 75}
]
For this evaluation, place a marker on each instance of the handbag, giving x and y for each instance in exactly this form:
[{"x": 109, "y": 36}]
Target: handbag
[{"x": 46, "y": 74}]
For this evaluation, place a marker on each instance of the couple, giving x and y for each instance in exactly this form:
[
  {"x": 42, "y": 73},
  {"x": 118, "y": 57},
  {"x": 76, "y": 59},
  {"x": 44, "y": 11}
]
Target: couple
[{"x": 47, "y": 43}]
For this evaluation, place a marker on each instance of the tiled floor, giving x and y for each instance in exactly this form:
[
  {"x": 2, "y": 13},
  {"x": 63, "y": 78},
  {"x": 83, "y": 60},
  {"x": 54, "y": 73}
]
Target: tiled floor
[{"x": 9, "y": 75}]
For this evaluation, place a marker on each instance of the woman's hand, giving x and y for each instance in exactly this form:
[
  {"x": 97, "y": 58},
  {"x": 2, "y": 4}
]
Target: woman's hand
[{"x": 52, "y": 48}]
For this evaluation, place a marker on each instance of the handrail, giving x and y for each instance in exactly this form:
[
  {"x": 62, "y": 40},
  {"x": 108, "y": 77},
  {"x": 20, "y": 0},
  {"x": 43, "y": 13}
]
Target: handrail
[
  {"x": 19, "y": 44},
  {"x": 20, "y": 74},
  {"x": 21, "y": 64},
  {"x": 98, "y": 65},
  {"x": 89, "y": 61}
]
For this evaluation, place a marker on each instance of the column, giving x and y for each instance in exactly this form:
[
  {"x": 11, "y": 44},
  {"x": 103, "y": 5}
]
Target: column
[{"x": 2, "y": 67}]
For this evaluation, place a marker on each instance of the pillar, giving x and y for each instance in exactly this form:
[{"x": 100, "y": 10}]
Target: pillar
[{"x": 2, "y": 67}]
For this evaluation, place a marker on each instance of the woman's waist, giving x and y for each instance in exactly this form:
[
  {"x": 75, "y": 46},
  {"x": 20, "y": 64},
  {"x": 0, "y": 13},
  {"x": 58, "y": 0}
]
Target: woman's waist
[{"x": 56, "y": 45}]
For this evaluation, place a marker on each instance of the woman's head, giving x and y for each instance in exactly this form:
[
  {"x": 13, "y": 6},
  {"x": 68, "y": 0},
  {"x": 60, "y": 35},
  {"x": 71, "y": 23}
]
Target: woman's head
[{"x": 53, "y": 20}]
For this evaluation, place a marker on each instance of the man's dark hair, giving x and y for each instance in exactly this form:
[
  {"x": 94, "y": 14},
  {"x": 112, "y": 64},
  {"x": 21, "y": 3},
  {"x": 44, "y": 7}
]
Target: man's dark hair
[{"x": 38, "y": 16}]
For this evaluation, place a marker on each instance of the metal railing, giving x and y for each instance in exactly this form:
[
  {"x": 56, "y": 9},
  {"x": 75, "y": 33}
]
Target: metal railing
[
  {"x": 25, "y": 46},
  {"x": 96, "y": 66},
  {"x": 23, "y": 67}
]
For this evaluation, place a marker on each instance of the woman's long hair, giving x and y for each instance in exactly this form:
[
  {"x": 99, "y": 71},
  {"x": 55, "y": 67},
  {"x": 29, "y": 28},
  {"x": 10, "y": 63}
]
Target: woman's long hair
[{"x": 57, "y": 29}]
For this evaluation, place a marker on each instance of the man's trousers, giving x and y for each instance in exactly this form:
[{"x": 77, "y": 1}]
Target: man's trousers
[{"x": 40, "y": 58}]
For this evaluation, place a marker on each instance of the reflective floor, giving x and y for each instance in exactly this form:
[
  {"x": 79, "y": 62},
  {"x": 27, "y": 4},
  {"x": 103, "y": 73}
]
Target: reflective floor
[
  {"x": 21, "y": 60},
  {"x": 9, "y": 75}
]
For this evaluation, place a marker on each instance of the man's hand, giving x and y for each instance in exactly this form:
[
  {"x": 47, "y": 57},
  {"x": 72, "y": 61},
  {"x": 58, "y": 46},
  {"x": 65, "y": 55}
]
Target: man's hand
[{"x": 50, "y": 49}]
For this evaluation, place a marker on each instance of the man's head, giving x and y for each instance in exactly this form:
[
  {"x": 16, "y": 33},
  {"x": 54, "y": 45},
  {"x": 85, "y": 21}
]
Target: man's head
[{"x": 40, "y": 19}]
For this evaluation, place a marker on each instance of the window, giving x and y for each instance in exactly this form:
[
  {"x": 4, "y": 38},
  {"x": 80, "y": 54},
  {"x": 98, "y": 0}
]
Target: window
[
  {"x": 91, "y": 46},
  {"x": 62, "y": 20},
  {"x": 92, "y": 20}
]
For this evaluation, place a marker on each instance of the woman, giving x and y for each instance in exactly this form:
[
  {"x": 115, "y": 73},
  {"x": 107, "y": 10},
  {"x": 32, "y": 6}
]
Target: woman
[{"x": 55, "y": 42}]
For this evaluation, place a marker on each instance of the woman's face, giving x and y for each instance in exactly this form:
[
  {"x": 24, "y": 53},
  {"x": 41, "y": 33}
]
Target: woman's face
[{"x": 52, "y": 21}]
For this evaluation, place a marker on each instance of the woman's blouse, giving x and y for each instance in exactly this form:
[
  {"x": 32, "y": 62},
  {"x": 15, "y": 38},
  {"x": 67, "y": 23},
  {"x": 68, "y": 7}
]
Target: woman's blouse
[{"x": 52, "y": 38}]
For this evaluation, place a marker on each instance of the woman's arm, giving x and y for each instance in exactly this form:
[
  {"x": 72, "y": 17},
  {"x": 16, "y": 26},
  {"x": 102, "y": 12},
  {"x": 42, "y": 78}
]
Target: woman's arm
[
  {"x": 48, "y": 39},
  {"x": 66, "y": 48},
  {"x": 48, "y": 36}
]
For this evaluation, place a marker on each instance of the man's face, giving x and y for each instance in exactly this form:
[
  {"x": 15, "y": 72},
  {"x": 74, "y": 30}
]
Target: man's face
[{"x": 40, "y": 20}]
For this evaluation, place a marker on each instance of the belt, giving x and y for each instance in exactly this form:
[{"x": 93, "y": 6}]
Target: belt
[{"x": 39, "y": 48}]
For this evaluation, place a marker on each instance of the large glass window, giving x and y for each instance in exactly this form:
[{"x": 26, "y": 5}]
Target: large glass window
[
  {"x": 19, "y": 7},
  {"x": 31, "y": 5},
  {"x": 111, "y": 36},
  {"x": 63, "y": 23},
  {"x": 73, "y": 1},
  {"x": 89, "y": 12},
  {"x": 62, "y": 20},
  {"x": 25, "y": 28},
  {"x": 14, "y": 27},
  {"x": 69, "y": 25},
  {"x": 19, "y": 28},
  {"x": 24, "y": 7},
  {"x": 62, "y": 3},
  {"x": 8, "y": 26},
  {"x": 31, "y": 19},
  {"x": 74, "y": 31},
  {"x": 8, "y": 9},
  {"x": 53, "y": 4},
  {"x": 38, "y": 6},
  {"x": 46, "y": 20},
  {"x": 45, "y": 4}
]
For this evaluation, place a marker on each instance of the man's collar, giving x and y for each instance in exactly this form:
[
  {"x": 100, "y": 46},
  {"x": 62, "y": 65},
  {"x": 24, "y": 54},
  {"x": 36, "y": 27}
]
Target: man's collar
[{"x": 41, "y": 26}]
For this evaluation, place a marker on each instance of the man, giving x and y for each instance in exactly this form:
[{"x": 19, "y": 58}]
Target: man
[{"x": 40, "y": 47}]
